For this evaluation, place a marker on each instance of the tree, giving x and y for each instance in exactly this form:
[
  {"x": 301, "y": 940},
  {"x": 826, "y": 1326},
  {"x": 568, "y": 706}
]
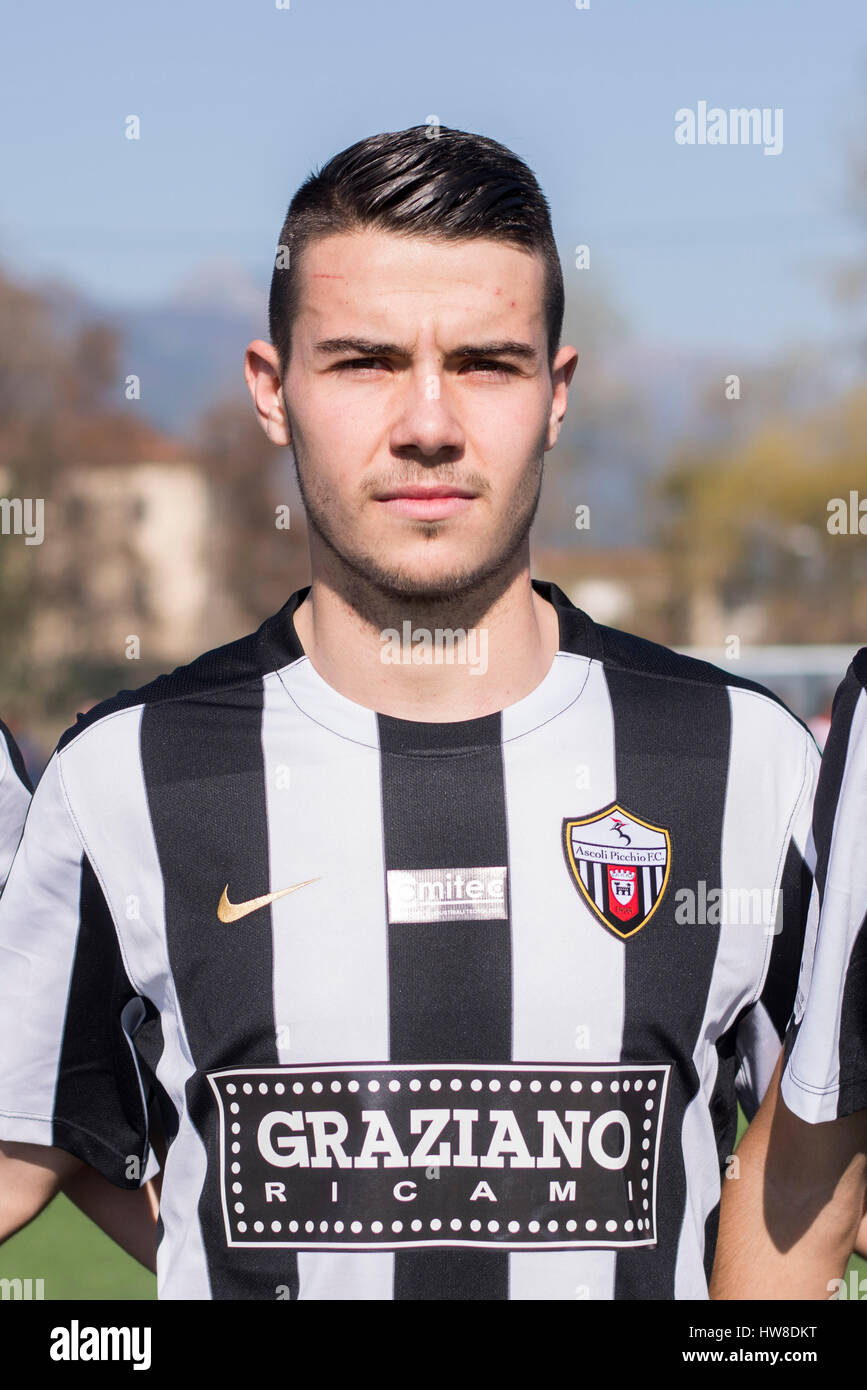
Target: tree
[{"x": 747, "y": 529}]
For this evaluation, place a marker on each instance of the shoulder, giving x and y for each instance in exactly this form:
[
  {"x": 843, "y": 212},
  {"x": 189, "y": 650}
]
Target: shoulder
[
  {"x": 711, "y": 707},
  {"x": 242, "y": 662},
  {"x": 847, "y": 737},
  {"x": 628, "y": 652},
  {"x": 658, "y": 668},
  {"x": 857, "y": 673},
  {"x": 11, "y": 758}
]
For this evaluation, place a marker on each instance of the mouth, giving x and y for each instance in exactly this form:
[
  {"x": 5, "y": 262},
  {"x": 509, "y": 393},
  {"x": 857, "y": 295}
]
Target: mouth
[{"x": 427, "y": 503}]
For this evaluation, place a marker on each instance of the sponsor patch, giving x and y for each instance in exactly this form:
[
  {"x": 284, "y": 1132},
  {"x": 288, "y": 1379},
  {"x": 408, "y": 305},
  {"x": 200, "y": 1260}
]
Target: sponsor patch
[
  {"x": 368, "y": 1157},
  {"x": 620, "y": 865},
  {"x": 447, "y": 895}
]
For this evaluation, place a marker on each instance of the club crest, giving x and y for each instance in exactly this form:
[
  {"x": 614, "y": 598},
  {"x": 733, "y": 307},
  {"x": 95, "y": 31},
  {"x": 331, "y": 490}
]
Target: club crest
[{"x": 620, "y": 865}]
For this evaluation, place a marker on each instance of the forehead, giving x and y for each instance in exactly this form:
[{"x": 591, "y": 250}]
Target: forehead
[{"x": 381, "y": 276}]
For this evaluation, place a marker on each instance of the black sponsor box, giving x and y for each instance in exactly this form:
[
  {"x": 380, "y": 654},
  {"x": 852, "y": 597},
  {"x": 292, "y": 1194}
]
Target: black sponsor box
[{"x": 383, "y": 1156}]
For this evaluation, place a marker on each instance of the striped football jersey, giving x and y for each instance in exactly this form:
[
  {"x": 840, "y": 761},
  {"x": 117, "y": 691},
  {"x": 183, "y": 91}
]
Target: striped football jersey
[
  {"x": 15, "y": 792},
  {"x": 428, "y": 1011},
  {"x": 826, "y": 1045}
]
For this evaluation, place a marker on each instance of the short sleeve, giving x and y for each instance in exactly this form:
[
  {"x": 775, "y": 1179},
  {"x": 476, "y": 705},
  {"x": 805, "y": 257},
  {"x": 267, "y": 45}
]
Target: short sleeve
[
  {"x": 69, "y": 1073},
  {"x": 15, "y": 792},
  {"x": 762, "y": 1029},
  {"x": 826, "y": 1046}
]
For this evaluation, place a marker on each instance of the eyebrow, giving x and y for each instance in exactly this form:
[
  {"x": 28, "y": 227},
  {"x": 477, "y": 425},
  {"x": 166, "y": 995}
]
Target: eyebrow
[{"x": 364, "y": 347}]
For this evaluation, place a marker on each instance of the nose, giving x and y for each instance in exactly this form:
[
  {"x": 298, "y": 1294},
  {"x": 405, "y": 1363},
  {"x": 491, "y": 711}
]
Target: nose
[{"x": 426, "y": 424}]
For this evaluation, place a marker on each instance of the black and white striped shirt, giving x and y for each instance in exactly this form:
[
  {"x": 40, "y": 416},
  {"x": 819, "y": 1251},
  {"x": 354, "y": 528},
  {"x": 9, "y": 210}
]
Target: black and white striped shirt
[
  {"x": 826, "y": 1046},
  {"x": 491, "y": 1048},
  {"x": 15, "y": 792}
]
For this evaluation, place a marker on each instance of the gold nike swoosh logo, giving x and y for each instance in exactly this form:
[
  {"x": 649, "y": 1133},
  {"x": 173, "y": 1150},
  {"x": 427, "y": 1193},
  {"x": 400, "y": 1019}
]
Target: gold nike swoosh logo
[{"x": 230, "y": 912}]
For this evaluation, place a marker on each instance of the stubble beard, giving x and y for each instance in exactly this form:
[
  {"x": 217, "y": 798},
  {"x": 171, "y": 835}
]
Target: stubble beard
[{"x": 379, "y": 591}]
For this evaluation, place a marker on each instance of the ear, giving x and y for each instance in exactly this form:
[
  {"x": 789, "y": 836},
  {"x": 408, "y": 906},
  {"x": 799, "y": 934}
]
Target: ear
[
  {"x": 562, "y": 371},
  {"x": 262, "y": 375}
]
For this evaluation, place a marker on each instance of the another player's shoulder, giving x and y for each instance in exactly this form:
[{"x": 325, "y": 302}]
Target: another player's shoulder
[
  {"x": 856, "y": 676},
  {"x": 245, "y": 661},
  {"x": 12, "y": 764},
  {"x": 847, "y": 736}
]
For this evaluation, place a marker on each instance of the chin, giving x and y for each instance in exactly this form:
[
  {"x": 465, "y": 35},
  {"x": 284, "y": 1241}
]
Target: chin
[{"x": 431, "y": 583}]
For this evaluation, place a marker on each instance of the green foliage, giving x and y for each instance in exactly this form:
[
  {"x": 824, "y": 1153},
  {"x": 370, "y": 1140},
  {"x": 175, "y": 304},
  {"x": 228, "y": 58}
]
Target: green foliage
[{"x": 745, "y": 527}]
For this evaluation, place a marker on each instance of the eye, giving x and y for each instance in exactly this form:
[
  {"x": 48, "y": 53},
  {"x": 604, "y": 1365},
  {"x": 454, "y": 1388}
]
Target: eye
[
  {"x": 493, "y": 367},
  {"x": 363, "y": 363},
  {"x": 481, "y": 365}
]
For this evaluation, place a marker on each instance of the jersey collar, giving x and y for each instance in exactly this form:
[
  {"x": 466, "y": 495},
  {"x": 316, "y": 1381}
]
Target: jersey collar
[{"x": 558, "y": 689}]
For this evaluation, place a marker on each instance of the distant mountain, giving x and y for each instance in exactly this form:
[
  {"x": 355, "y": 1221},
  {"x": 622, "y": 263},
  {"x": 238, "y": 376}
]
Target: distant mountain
[
  {"x": 186, "y": 350},
  {"x": 189, "y": 355}
]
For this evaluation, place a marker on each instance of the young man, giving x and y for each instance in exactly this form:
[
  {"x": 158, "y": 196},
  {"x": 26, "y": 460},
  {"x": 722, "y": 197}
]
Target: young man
[
  {"x": 407, "y": 906},
  {"x": 798, "y": 1211}
]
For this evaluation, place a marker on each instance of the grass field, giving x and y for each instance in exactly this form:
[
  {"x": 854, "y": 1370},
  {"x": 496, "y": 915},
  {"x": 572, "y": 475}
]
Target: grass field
[{"x": 65, "y": 1249}]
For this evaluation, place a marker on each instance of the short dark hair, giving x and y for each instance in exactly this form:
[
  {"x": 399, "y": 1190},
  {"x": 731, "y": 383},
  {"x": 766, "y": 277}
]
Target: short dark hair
[{"x": 424, "y": 181}]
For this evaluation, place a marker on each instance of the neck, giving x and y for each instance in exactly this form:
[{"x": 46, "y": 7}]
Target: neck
[{"x": 439, "y": 661}]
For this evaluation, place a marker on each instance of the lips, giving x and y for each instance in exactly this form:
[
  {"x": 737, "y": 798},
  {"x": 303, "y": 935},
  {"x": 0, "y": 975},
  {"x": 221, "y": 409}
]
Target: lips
[
  {"x": 425, "y": 493},
  {"x": 427, "y": 503},
  {"x": 427, "y": 508}
]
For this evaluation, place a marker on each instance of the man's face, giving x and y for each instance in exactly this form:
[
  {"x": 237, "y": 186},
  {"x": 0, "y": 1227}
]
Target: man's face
[{"x": 419, "y": 365}]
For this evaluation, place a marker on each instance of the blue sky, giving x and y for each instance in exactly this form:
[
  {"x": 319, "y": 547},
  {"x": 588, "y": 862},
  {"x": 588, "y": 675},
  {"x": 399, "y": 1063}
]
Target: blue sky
[{"x": 698, "y": 246}]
